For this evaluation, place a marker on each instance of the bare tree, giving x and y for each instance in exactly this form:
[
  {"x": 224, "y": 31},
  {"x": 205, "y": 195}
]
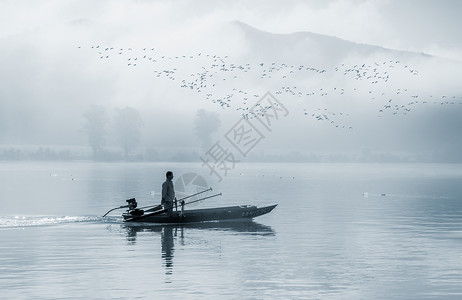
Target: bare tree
[
  {"x": 127, "y": 125},
  {"x": 206, "y": 123},
  {"x": 96, "y": 120}
]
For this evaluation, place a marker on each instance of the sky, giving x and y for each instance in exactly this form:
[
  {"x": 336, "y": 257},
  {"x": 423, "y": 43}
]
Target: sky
[
  {"x": 52, "y": 70},
  {"x": 415, "y": 25}
]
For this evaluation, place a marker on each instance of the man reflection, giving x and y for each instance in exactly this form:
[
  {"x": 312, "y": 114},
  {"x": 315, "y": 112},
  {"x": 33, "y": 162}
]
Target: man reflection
[{"x": 167, "y": 248}]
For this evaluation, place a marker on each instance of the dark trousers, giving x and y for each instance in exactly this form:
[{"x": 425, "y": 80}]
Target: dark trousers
[{"x": 168, "y": 206}]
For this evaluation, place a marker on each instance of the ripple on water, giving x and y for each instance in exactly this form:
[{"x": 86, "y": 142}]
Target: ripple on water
[{"x": 32, "y": 221}]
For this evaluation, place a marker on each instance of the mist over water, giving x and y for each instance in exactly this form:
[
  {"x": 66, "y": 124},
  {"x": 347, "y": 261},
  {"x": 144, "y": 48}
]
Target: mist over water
[{"x": 340, "y": 230}]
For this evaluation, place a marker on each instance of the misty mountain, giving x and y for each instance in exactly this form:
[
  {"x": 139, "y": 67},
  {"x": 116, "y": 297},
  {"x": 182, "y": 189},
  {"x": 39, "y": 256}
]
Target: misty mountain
[{"x": 306, "y": 47}]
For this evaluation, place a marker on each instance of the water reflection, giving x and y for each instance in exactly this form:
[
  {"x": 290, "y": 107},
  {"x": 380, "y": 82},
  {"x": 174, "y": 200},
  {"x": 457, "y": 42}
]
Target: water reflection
[
  {"x": 168, "y": 247},
  {"x": 245, "y": 226},
  {"x": 171, "y": 233}
]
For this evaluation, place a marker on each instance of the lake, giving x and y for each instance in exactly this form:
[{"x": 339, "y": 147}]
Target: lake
[{"x": 340, "y": 231}]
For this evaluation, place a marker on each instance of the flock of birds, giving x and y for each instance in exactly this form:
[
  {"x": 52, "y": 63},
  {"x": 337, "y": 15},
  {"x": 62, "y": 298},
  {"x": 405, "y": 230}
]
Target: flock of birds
[{"x": 216, "y": 79}]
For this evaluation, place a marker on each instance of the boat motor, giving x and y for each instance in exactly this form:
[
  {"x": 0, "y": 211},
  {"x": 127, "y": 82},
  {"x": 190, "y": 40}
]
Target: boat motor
[
  {"x": 132, "y": 210},
  {"x": 132, "y": 203}
]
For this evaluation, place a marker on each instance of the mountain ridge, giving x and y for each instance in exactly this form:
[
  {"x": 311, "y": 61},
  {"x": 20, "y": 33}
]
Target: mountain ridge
[{"x": 316, "y": 39}]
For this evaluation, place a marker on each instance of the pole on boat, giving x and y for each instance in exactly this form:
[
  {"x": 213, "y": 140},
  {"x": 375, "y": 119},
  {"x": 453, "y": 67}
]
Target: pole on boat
[
  {"x": 164, "y": 210},
  {"x": 203, "y": 198},
  {"x": 209, "y": 189},
  {"x": 183, "y": 203}
]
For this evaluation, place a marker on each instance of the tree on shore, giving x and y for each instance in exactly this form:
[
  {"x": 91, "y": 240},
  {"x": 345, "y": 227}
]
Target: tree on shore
[
  {"x": 96, "y": 120},
  {"x": 205, "y": 125},
  {"x": 127, "y": 126}
]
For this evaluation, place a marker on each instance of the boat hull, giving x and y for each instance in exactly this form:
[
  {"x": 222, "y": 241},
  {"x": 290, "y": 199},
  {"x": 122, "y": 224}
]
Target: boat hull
[{"x": 202, "y": 215}]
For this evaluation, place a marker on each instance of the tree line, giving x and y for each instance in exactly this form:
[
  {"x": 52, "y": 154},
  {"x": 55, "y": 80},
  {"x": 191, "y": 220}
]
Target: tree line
[{"x": 126, "y": 126}]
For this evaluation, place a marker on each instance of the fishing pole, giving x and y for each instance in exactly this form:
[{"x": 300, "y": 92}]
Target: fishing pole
[
  {"x": 166, "y": 209},
  {"x": 209, "y": 189},
  {"x": 182, "y": 203},
  {"x": 203, "y": 198}
]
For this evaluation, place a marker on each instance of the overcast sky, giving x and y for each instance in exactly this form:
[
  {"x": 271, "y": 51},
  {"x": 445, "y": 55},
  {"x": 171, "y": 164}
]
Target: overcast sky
[
  {"x": 51, "y": 74},
  {"x": 417, "y": 25}
]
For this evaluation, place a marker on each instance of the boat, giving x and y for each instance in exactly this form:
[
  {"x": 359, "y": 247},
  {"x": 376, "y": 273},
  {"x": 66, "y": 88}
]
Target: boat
[{"x": 161, "y": 216}]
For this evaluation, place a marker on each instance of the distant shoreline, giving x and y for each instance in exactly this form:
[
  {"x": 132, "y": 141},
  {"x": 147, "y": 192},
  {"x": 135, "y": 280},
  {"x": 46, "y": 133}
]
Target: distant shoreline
[{"x": 82, "y": 153}]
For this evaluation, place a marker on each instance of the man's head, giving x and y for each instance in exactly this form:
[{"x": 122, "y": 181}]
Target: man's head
[{"x": 169, "y": 175}]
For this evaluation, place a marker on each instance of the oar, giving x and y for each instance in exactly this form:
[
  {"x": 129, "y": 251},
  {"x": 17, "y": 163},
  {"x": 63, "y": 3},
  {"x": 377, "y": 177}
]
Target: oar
[
  {"x": 123, "y": 206},
  {"x": 209, "y": 189}
]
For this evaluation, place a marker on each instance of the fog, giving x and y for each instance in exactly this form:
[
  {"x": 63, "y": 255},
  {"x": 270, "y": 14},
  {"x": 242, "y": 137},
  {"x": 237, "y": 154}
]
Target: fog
[{"x": 363, "y": 80}]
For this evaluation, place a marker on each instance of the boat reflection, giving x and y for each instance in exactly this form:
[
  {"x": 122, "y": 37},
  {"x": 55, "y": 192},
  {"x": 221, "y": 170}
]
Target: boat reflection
[
  {"x": 170, "y": 233},
  {"x": 244, "y": 226}
]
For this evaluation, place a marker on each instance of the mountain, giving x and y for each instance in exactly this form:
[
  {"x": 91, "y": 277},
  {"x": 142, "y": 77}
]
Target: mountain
[{"x": 309, "y": 47}]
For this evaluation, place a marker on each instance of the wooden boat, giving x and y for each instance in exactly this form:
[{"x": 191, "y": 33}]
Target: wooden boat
[{"x": 197, "y": 215}]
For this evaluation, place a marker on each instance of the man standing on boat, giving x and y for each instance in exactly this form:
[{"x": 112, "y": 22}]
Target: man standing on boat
[{"x": 168, "y": 192}]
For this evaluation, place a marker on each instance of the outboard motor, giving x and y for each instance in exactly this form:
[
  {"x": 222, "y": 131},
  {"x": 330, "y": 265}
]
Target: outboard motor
[
  {"x": 132, "y": 210},
  {"x": 131, "y": 203}
]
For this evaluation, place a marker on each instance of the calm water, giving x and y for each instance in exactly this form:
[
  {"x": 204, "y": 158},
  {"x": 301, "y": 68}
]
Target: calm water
[{"x": 340, "y": 231}]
